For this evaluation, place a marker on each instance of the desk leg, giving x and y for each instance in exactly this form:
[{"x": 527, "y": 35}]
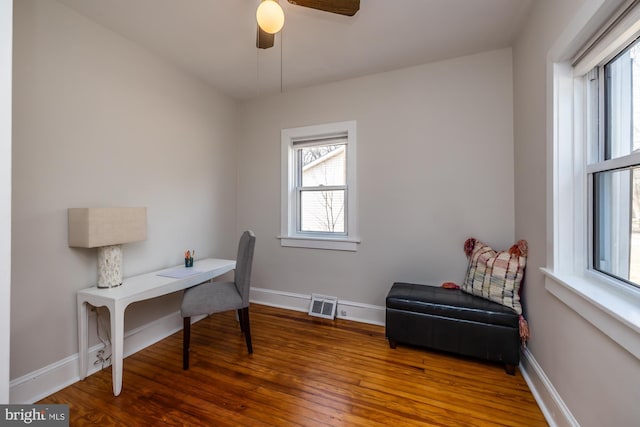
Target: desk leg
[
  {"x": 83, "y": 337},
  {"x": 117, "y": 344}
]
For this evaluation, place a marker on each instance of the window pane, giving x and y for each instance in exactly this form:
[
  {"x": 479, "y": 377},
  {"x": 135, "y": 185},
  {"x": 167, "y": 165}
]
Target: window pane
[
  {"x": 617, "y": 223},
  {"x": 623, "y": 103},
  {"x": 323, "y": 165},
  {"x": 322, "y": 211}
]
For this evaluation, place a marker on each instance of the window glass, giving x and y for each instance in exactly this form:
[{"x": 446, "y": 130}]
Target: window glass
[
  {"x": 322, "y": 176},
  {"x": 623, "y": 103},
  {"x": 323, "y": 165},
  {"x": 322, "y": 211},
  {"x": 617, "y": 223},
  {"x": 613, "y": 137}
]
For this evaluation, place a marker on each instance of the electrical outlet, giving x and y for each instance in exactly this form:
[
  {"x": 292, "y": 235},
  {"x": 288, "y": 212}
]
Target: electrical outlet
[{"x": 343, "y": 313}]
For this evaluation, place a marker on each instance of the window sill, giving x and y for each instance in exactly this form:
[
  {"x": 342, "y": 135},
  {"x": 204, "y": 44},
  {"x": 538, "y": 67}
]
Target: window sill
[
  {"x": 604, "y": 303},
  {"x": 345, "y": 244}
]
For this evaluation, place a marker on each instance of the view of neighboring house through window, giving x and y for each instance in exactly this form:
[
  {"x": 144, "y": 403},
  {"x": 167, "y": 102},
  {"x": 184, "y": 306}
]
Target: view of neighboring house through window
[
  {"x": 322, "y": 186},
  {"x": 613, "y": 91}
]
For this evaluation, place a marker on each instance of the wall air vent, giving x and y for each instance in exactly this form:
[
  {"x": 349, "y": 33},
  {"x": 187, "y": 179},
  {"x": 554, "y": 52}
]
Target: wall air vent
[{"x": 323, "y": 306}]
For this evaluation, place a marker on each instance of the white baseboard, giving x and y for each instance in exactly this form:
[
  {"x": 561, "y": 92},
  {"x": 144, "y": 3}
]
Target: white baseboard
[
  {"x": 349, "y": 310},
  {"x": 38, "y": 384},
  {"x": 281, "y": 299},
  {"x": 551, "y": 404}
]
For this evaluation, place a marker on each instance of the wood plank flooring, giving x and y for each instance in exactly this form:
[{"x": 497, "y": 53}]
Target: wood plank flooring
[{"x": 304, "y": 372}]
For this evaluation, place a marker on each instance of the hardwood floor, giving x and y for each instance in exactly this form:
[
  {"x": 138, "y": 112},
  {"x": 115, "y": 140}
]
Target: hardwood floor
[{"x": 304, "y": 371}]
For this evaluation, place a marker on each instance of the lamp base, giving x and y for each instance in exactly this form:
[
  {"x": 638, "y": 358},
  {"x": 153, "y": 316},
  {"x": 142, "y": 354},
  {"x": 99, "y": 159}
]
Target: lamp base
[{"x": 109, "y": 266}]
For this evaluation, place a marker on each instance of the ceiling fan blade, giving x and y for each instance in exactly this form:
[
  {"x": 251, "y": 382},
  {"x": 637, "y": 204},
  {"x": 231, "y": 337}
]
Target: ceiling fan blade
[
  {"x": 342, "y": 7},
  {"x": 264, "y": 40}
]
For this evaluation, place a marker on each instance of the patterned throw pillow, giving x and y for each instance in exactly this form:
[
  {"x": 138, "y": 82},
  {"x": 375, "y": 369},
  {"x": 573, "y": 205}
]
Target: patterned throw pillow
[{"x": 493, "y": 275}]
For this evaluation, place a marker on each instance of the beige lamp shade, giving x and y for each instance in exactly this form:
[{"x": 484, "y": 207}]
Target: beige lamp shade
[
  {"x": 107, "y": 229},
  {"x": 96, "y": 227}
]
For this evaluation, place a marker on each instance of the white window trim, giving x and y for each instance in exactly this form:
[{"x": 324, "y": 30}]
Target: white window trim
[
  {"x": 607, "y": 304},
  {"x": 288, "y": 234}
]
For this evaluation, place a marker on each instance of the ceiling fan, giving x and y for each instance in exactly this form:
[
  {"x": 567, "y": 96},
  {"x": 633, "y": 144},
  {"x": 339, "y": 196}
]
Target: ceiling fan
[{"x": 265, "y": 40}]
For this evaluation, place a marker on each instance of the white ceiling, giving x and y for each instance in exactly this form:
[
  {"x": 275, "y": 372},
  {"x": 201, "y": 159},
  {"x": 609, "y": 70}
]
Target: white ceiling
[{"x": 215, "y": 39}]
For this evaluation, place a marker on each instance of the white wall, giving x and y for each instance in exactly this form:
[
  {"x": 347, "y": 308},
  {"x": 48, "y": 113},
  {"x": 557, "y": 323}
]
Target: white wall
[
  {"x": 595, "y": 377},
  {"x": 6, "y": 36},
  {"x": 435, "y": 166},
  {"x": 100, "y": 122}
]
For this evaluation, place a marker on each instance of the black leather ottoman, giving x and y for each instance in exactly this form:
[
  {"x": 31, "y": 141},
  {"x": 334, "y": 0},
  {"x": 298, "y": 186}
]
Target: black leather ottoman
[{"x": 453, "y": 321}]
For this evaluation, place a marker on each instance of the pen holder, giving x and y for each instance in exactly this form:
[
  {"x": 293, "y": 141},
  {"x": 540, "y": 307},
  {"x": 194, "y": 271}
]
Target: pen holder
[{"x": 188, "y": 262}]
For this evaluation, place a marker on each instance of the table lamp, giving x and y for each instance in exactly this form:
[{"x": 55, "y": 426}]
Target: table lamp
[{"x": 107, "y": 229}]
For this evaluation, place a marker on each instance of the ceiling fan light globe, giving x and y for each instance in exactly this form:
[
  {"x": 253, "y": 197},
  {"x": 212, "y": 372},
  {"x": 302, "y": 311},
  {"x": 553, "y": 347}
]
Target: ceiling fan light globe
[{"x": 270, "y": 16}]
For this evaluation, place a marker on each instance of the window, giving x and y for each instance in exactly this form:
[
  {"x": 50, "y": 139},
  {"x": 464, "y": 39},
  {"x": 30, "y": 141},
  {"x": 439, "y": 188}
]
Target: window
[
  {"x": 321, "y": 184},
  {"x": 613, "y": 170},
  {"x": 319, "y": 187},
  {"x": 593, "y": 164}
]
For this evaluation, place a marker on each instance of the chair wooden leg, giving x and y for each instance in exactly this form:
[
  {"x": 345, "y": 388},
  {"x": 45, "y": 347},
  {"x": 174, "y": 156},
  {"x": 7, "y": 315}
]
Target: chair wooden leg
[
  {"x": 186, "y": 337},
  {"x": 241, "y": 320},
  {"x": 247, "y": 329}
]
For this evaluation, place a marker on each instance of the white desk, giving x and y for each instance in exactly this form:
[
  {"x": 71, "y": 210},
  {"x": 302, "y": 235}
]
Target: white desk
[{"x": 137, "y": 288}]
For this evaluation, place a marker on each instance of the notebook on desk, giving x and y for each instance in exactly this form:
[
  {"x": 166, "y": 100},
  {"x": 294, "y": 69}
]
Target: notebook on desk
[{"x": 179, "y": 273}]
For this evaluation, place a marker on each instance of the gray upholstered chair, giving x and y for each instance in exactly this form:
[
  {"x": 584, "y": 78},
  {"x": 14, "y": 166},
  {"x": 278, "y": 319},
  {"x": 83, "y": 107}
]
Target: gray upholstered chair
[{"x": 215, "y": 297}]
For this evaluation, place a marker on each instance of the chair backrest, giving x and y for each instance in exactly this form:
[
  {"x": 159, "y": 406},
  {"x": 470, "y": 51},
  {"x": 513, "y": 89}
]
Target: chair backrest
[{"x": 243, "y": 265}]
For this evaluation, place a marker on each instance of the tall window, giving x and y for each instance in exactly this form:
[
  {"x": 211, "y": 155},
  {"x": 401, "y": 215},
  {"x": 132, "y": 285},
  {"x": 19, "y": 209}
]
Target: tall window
[
  {"x": 321, "y": 186},
  {"x": 613, "y": 157},
  {"x": 318, "y": 187}
]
